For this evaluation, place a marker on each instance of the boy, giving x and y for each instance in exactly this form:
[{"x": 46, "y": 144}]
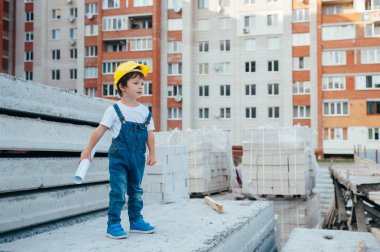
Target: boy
[{"x": 132, "y": 128}]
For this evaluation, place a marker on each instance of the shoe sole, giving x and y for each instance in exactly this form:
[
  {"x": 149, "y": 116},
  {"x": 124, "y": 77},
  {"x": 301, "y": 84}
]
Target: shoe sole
[
  {"x": 142, "y": 232},
  {"x": 116, "y": 237}
]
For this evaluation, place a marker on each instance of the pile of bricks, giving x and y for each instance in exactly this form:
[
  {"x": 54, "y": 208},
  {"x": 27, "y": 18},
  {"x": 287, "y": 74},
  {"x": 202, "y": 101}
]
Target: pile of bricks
[
  {"x": 167, "y": 179},
  {"x": 278, "y": 161}
]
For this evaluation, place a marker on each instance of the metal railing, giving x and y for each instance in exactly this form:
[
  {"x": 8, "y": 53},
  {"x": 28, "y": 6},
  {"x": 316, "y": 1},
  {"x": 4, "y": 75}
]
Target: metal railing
[{"x": 371, "y": 154}]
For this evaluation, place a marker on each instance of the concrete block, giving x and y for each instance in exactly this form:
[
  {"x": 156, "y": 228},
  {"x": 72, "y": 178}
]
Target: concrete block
[
  {"x": 29, "y": 209},
  {"x": 31, "y": 173},
  {"x": 40, "y": 135},
  {"x": 340, "y": 240},
  {"x": 46, "y": 100}
]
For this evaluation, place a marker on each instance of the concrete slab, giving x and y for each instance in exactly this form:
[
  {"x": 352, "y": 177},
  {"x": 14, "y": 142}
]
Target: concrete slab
[
  {"x": 182, "y": 226},
  {"x": 302, "y": 239}
]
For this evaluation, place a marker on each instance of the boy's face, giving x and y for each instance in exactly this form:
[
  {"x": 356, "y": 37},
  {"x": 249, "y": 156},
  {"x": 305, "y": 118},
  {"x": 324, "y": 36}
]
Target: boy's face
[{"x": 134, "y": 88}]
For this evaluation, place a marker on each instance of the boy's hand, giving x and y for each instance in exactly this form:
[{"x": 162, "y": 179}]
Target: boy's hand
[
  {"x": 151, "y": 160},
  {"x": 85, "y": 154}
]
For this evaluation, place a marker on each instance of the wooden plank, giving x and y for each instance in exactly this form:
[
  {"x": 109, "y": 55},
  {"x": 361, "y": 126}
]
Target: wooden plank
[
  {"x": 340, "y": 203},
  {"x": 376, "y": 233},
  {"x": 360, "y": 216},
  {"x": 361, "y": 246},
  {"x": 212, "y": 203}
]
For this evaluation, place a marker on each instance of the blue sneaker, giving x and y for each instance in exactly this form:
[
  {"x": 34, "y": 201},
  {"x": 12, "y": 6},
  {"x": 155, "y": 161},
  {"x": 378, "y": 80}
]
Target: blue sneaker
[
  {"x": 116, "y": 231},
  {"x": 141, "y": 226}
]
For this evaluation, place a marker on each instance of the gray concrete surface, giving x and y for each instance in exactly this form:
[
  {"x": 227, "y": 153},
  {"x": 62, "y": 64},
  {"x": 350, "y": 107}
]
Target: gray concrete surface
[
  {"x": 183, "y": 226},
  {"x": 301, "y": 240}
]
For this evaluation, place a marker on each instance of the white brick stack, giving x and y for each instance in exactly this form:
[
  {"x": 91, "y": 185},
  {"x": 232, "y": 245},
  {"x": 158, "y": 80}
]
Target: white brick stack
[
  {"x": 167, "y": 179},
  {"x": 278, "y": 161}
]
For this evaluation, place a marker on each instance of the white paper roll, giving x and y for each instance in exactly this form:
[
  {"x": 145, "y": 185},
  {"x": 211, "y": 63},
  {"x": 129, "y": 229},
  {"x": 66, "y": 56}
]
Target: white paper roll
[{"x": 83, "y": 168}]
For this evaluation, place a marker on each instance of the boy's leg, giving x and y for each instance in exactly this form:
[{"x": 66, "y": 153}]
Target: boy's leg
[{"x": 118, "y": 184}]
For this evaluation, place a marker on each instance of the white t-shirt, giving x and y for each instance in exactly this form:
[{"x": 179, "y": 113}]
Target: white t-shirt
[{"x": 137, "y": 114}]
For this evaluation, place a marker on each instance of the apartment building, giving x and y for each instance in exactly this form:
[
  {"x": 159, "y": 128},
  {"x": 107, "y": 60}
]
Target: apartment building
[
  {"x": 7, "y": 35},
  {"x": 348, "y": 75}
]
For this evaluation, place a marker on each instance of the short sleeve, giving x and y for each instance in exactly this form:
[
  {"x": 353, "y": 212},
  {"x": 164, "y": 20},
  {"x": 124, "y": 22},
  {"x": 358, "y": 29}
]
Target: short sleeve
[
  {"x": 108, "y": 117},
  {"x": 151, "y": 124}
]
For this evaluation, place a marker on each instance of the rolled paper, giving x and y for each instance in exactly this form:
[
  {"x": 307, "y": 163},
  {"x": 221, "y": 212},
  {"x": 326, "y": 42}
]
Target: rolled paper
[{"x": 83, "y": 168}]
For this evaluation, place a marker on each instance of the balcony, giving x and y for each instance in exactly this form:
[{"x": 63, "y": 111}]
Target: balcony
[{"x": 140, "y": 22}]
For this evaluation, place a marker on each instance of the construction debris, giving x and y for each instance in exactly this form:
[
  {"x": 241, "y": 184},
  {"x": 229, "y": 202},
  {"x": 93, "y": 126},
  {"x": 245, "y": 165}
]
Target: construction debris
[{"x": 212, "y": 203}]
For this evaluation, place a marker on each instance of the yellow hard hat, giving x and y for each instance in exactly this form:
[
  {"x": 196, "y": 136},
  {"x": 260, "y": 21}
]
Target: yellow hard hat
[{"x": 129, "y": 66}]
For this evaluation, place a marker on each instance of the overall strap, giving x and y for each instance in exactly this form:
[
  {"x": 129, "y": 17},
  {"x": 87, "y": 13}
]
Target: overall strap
[
  {"x": 119, "y": 114},
  {"x": 148, "y": 119}
]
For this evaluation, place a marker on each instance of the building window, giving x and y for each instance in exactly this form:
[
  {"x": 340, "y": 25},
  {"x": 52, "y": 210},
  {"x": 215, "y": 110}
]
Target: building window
[
  {"x": 73, "y": 74},
  {"x": 272, "y": 1},
  {"x": 338, "y": 32},
  {"x": 364, "y": 82},
  {"x": 174, "y": 46},
  {"x": 250, "y": 66},
  {"x": 224, "y": 23},
  {"x": 332, "y": 10},
  {"x": 225, "y": 113},
  {"x": 147, "y": 62},
  {"x": 175, "y": 113},
  {"x": 225, "y": 90},
  {"x": 141, "y": 3},
  {"x": 335, "y": 108},
  {"x": 91, "y": 51},
  {"x": 202, "y": 4},
  {"x": 56, "y": 54},
  {"x": 203, "y": 90},
  {"x": 273, "y": 43},
  {"x": 250, "y": 89},
  {"x": 175, "y": 24},
  {"x": 29, "y": 16},
  {"x": 334, "y": 58},
  {"x": 301, "y": 63},
  {"x": 273, "y": 66},
  {"x": 28, "y": 56},
  {"x": 302, "y": 87},
  {"x": 335, "y": 134},
  {"x": 332, "y": 83},
  {"x": 203, "y": 25},
  {"x": 301, "y": 39},
  {"x": 147, "y": 88},
  {"x": 114, "y": 23},
  {"x": 224, "y": 45},
  {"x": 372, "y": 30},
  {"x": 250, "y": 112},
  {"x": 373, "y": 107},
  {"x": 141, "y": 44},
  {"x": 108, "y": 89},
  {"x": 91, "y": 8},
  {"x": 273, "y": 89},
  {"x": 249, "y": 21},
  {"x": 372, "y": 5},
  {"x": 90, "y": 72},
  {"x": 74, "y": 12},
  {"x": 91, "y": 30},
  {"x": 249, "y": 2},
  {"x": 274, "y": 112},
  {"x": 109, "y": 67},
  {"x": 203, "y": 68},
  {"x": 250, "y": 44},
  {"x": 272, "y": 20},
  {"x": 203, "y": 46},
  {"x": 111, "y": 4},
  {"x": 29, "y": 36},
  {"x": 370, "y": 55},
  {"x": 174, "y": 90},
  {"x": 93, "y": 92},
  {"x": 223, "y": 67},
  {"x": 56, "y": 14},
  {"x": 203, "y": 113},
  {"x": 300, "y": 15},
  {"x": 73, "y": 53},
  {"x": 175, "y": 69},
  {"x": 55, "y": 74},
  {"x": 374, "y": 134},
  {"x": 28, "y": 75},
  {"x": 73, "y": 33},
  {"x": 301, "y": 112},
  {"x": 55, "y": 34}
]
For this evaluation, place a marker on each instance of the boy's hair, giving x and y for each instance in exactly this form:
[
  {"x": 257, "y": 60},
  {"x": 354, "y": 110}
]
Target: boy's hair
[{"x": 123, "y": 80}]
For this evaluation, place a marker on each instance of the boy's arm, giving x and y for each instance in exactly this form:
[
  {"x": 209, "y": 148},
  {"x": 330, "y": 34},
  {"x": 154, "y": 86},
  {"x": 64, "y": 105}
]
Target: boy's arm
[
  {"x": 151, "y": 146},
  {"x": 94, "y": 139}
]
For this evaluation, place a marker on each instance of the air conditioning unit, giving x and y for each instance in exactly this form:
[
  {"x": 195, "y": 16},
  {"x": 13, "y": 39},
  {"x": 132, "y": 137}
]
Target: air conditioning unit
[
  {"x": 217, "y": 67},
  {"x": 177, "y": 7},
  {"x": 69, "y": 1},
  {"x": 71, "y": 19},
  {"x": 73, "y": 42},
  {"x": 178, "y": 98},
  {"x": 90, "y": 16},
  {"x": 246, "y": 30},
  {"x": 217, "y": 116}
]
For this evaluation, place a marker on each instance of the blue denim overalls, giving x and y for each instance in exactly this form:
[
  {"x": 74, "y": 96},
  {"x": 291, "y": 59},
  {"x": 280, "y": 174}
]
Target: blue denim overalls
[{"x": 126, "y": 167}]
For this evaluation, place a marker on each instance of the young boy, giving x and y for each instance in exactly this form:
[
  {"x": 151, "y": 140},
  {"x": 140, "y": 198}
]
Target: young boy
[{"x": 132, "y": 128}]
